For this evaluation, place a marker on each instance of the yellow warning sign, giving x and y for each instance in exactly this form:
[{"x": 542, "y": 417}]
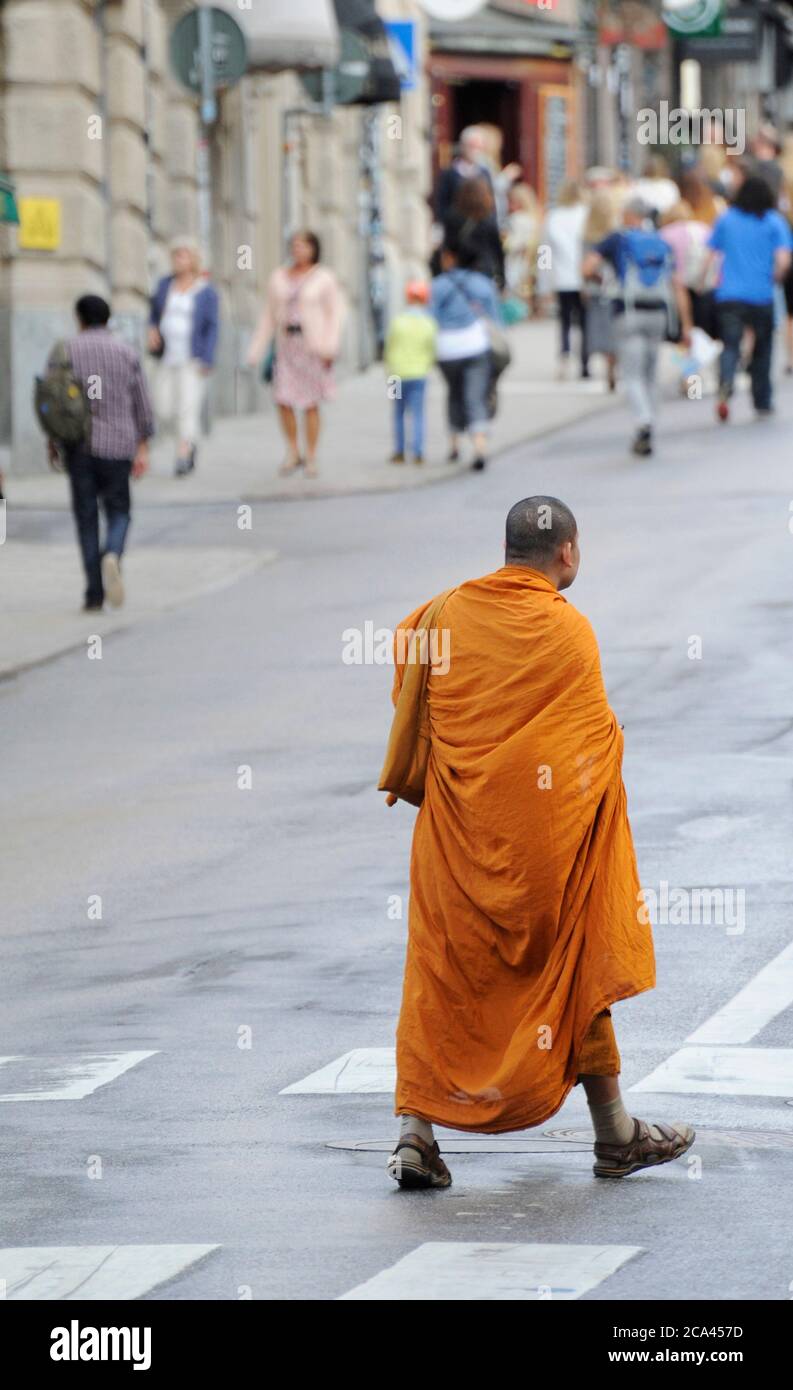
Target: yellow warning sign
[{"x": 39, "y": 223}]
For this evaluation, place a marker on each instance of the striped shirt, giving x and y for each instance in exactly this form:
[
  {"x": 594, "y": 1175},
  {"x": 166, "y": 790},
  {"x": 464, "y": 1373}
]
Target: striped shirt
[{"x": 112, "y": 374}]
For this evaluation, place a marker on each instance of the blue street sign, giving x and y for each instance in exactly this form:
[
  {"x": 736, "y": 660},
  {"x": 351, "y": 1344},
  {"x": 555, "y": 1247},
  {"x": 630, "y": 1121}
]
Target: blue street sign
[{"x": 402, "y": 43}]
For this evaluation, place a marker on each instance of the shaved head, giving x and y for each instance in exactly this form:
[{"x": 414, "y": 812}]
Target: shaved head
[{"x": 537, "y": 529}]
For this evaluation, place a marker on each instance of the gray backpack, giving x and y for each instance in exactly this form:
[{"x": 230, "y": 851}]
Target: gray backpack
[{"x": 61, "y": 404}]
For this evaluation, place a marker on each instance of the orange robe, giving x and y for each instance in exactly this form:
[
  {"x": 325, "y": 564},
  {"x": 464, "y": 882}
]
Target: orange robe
[{"x": 523, "y": 923}]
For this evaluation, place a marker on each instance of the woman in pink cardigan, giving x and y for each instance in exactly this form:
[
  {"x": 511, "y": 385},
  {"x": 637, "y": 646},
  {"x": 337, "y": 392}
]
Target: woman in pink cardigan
[{"x": 303, "y": 313}]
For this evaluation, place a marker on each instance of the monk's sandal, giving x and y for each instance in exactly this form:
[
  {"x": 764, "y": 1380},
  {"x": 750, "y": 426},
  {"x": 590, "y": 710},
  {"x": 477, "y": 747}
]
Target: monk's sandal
[
  {"x": 643, "y": 1151},
  {"x": 415, "y": 1163}
]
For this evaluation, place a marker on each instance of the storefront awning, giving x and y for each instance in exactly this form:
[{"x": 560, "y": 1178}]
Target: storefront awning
[
  {"x": 283, "y": 34},
  {"x": 519, "y": 32},
  {"x": 362, "y": 19}
]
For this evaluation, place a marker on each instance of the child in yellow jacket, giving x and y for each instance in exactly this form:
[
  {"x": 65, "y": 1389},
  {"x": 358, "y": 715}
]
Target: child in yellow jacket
[{"x": 409, "y": 356}]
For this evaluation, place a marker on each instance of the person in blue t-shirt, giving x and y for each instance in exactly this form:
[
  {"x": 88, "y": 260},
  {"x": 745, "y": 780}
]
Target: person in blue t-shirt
[
  {"x": 643, "y": 315},
  {"x": 755, "y": 244}
]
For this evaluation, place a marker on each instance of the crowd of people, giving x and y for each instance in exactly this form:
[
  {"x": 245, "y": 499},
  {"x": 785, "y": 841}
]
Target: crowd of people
[{"x": 702, "y": 260}]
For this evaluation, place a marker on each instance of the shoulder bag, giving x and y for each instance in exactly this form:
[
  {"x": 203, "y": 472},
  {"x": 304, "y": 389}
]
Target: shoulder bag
[{"x": 404, "y": 771}]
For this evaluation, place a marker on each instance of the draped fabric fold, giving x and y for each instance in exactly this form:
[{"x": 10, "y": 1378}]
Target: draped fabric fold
[{"x": 523, "y": 924}]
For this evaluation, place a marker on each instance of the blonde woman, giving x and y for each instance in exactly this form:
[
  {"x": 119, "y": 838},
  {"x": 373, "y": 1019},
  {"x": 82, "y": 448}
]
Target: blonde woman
[
  {"x": 183, "y": 334},
  {"x": 303, "y": 317},
  {"x": 521, "y": 239}
]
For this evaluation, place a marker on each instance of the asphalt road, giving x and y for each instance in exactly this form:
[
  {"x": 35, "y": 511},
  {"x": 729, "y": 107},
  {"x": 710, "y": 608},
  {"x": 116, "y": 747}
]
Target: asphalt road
[{"x": 245, "y": 939}]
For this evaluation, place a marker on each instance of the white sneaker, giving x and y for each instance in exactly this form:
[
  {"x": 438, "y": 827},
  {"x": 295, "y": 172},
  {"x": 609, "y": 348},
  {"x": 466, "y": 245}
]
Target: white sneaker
[{"x": 112, "y": 582}]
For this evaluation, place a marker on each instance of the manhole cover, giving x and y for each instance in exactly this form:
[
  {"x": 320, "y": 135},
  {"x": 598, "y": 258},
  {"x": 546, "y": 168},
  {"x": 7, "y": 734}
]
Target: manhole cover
[
  {"x": 732, "y": 1138},
  {"x": 566, "y": 1141},
  {"x": 474, "y": 1144}
]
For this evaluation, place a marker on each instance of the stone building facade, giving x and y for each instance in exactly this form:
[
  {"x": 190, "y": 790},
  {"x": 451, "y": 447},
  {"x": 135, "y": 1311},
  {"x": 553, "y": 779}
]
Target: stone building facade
[{"x": 91, "y": 115}]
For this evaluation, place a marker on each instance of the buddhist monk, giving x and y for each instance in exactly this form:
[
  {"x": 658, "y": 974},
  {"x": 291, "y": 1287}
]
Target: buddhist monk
[{"x": 525, "y": 921}]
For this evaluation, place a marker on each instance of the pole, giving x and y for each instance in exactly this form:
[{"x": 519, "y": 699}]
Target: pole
[{"x": 208, "y": 118}]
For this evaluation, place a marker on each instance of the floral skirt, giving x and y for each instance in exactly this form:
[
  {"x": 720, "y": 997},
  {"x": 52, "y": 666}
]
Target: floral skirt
[{"x": 301, "y": 379}]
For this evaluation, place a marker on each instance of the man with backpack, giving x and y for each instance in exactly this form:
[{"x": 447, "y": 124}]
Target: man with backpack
[
  {"x": 651, "y": 305},
  {"x": 94, "y": 405}
]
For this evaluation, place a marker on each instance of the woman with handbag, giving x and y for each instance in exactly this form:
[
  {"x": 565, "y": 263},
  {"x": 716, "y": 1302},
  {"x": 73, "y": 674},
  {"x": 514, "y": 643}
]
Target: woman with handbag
[
  {"x": 183, "y": 335},
  {"x": 465, "y": 306},
  {"x": 301, "y": 326}
]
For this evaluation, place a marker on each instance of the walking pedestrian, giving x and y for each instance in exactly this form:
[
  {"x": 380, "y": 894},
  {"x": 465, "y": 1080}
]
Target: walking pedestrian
[
  {"x": 521, "y": 240},
  {"x": 183, "y": 335},
  {"x": 599, "y": 280},
  {"x": 409, "y": 357},
  {"x": 464, "y": 302},
  {"x": 706, "y": 206},
  {"x": 471, "y": 225},
  {"x": 470, "y": 162},
  {"x": 525, "y": 919},
  {"x": 656, "y": 188},
  {"x": 754, "y": 242},
  {"x": 302, "y": 320},
  {"x": 503, "y": 176},
  {"x": 114, "y": 449},
  {"x": 563, "y": 236},
  {"x": 687, "y": 238},
  {"x": 649, "y": 301},
  {"x": 764, "y": 160}
]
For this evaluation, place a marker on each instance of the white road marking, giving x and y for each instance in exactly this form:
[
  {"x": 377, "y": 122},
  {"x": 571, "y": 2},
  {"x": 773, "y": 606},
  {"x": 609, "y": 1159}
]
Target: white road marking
[
  {"x": 442, "y": 1271},
  {"x": 697, "y": 1067},
  {"x": 366, "y": 1069},
  {"x": 93, "y": 1271},
  {"x": 724, "y": 1071},
  {"x": 710, "y": 1063},
  {"x": 63, "y": 1078},
  {"x": 753, "y": 1007}
]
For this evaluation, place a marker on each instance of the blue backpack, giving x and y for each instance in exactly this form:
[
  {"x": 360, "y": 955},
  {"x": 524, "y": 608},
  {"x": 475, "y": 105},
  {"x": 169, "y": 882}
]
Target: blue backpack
[{"x": 647, "y": 275}]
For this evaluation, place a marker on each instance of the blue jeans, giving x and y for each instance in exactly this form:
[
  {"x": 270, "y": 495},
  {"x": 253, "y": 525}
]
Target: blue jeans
[
  {"x": 410, "y": 402},
  {"x": 93, "y": 480},
  {"x": 734, "y": 316}
]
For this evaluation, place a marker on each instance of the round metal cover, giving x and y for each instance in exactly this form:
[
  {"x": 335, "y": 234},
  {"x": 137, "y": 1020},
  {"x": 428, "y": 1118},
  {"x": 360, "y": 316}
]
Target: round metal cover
[
  {"x": 473, "y": 1144},
  {"x": 348, "y": 79},
  {"x": 731, "y": 1138},
  {"x": 228, "y": 49}
]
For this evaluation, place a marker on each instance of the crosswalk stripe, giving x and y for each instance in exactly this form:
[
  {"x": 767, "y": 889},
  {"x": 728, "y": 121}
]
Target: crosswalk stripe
[
  {"x": 710, "y": 1062},
  {"x": 441, "y": 1271},
  {"x": 63, "y": 1078},
  {"x": 754, "y": 1006},
  {"x": 720, "y": 1071},
  {"x": 365, "y": 1069},
  {"x": 92, "y": 1271}
]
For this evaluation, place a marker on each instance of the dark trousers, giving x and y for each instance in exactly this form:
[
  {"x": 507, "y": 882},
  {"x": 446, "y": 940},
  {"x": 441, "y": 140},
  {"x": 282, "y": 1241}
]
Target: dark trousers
[
  {"x": 94, "y": 480},
  {"x": 734, "y": 316},
  {"x": 572, "y": 309},
  {"x": 468, "y": 380}
]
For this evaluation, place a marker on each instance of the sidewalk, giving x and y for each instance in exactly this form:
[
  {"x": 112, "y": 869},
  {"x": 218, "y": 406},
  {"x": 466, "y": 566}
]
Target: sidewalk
[
  {"x": 240, "y": 458},
  {"x": 42, "y": 579},
  {"x": 42, "y": 583}
]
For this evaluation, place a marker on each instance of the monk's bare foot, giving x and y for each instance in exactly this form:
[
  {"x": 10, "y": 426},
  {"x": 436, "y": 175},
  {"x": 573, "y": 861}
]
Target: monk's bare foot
[
  {"x": 415, "y": 1163},
  {"x": 651, "y": 1145}
]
